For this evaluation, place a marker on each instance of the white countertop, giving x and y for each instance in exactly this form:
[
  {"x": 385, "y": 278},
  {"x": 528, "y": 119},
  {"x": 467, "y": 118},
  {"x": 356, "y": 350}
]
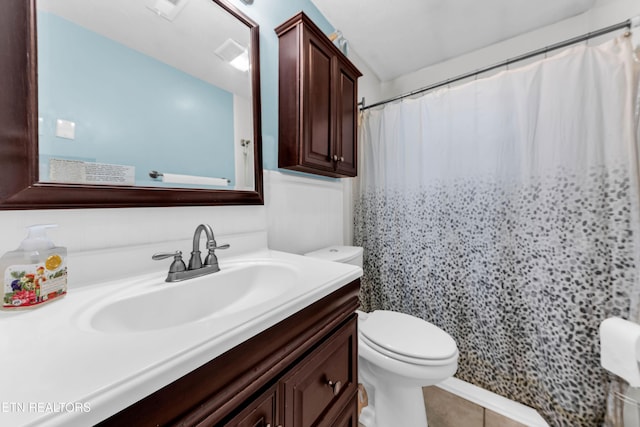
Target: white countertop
[{"x": 59, "y": 371}]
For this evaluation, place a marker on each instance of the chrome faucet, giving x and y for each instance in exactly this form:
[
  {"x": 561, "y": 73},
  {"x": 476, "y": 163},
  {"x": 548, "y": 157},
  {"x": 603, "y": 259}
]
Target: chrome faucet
[{"x": 179, "y": 271}]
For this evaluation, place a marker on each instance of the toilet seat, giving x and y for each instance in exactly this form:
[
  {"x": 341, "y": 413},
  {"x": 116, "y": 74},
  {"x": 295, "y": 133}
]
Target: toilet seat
[{"x": 407, "y": 338}]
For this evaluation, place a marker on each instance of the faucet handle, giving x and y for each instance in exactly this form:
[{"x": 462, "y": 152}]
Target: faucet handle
[
  {"x": 164, "y": 255},
  {"x": 211, "y": 259},
  {"x": 212, "y": 245},
  {"x": 176, "y": 265}
]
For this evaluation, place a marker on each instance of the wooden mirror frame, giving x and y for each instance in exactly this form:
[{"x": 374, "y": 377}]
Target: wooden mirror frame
[{"x": 19, "y": 180}]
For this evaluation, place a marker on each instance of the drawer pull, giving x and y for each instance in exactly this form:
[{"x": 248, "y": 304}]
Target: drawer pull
[{"x": 335, "y": 386}]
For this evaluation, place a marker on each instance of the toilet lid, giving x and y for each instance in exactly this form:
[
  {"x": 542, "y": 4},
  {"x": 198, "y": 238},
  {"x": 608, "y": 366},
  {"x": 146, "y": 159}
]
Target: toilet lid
[{"x": 407, "y": 336}]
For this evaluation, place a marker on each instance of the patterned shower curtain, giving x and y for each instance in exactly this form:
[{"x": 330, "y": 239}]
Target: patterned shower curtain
[{"x": 505, "y": 211}]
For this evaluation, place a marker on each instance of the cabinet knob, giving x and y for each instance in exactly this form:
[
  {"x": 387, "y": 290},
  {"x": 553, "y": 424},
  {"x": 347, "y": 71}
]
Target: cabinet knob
[
  {"x": 335, "y": 386},
  {"x": 335, "y": 157},
  {"x": 342, "y": 159}
]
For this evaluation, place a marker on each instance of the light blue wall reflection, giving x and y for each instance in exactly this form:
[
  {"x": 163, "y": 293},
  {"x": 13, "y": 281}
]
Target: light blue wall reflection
[{"x": 140, "y": 112}]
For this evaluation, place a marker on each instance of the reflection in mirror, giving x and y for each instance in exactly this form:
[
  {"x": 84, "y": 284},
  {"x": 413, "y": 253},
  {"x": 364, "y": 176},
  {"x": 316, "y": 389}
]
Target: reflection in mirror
[{"x": 144, "y": 93}]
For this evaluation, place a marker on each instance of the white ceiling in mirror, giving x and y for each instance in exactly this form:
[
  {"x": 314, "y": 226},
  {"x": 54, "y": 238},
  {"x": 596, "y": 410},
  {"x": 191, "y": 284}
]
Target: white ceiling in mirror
[
  {"x": 190, "y": 34},
  {"x": 397, "y": 38}
]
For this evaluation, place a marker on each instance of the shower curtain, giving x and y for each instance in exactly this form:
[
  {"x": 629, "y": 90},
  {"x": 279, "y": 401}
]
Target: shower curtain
[{"x": 505, "y": 211}]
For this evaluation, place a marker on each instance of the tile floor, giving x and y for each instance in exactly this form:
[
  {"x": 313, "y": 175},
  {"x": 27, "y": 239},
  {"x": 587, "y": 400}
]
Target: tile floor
[{"x": 445, "y": 409}]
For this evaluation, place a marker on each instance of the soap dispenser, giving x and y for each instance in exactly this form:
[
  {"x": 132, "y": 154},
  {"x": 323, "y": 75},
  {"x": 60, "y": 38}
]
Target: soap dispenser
[{"x": 35, "y": 273}]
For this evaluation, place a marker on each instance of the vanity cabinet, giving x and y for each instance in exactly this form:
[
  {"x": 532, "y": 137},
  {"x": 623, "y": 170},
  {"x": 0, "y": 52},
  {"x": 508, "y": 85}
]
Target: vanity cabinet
[
  {"x": 261, "y": 412},
  {"x": 314, "y": 393},
  {"x": 317, "y": 102},
  {"x": 300, "y": 372}
]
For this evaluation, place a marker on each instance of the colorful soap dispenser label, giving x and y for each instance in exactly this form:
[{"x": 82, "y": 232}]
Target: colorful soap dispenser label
[{"x": 33, "y": 284}]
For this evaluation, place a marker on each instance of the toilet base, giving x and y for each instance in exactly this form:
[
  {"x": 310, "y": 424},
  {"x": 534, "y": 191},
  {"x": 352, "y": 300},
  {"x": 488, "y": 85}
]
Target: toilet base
[
  {"x": 392, "y": 405},
  {"x": 394, "y": 384}
]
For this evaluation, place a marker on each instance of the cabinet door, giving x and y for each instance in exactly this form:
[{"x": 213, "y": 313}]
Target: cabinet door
[
  {"x": 318, "y": 126},
  {"x": 348, "y": 417},
  {"x": 346, "y": 122},
  {"x": 315, "y": 392},
  {"x": 260, "y": 413}
]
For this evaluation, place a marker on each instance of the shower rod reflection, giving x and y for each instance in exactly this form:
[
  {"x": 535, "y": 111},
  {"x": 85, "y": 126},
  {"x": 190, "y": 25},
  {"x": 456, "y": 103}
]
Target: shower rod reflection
[
  {"x": 537, "y": 52},
  {"x": 175, "y": 178}
]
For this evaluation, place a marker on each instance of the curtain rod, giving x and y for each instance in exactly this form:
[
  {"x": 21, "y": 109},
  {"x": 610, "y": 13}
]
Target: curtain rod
[{"x": 544, "y": 50}]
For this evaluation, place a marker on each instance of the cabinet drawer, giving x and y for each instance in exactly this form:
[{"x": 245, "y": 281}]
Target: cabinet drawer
[
  {"x": 260, "y": 413},
  {"x": 348, "y": 417},
  {"x": 323, "y": 382}
]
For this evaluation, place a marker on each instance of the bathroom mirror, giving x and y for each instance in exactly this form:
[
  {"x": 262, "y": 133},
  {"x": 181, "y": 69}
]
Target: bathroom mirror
[{"x": 125, "y": 103}]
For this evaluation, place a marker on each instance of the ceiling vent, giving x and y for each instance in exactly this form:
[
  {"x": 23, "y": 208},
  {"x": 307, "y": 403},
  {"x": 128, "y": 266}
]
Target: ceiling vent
[
  {"x": 234, "y": 53},
  {"x": 168, "y": 9}
]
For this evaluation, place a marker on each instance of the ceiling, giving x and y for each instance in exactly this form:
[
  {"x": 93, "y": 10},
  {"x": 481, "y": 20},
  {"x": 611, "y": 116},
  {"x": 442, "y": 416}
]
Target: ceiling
[
  {"x": 188, "y": 42},
  {"x": 397, "y": 38}
]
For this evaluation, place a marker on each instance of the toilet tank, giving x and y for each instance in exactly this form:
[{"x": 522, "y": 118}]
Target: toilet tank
[{"x": 344, "y": 254}]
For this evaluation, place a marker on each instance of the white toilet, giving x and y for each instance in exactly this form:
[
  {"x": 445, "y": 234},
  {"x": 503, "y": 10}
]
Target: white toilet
[{"x": 398, "y": 354}]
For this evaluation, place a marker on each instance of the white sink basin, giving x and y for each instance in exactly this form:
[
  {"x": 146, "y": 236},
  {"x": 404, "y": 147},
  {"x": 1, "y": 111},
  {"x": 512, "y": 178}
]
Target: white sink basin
[{"x": 156, "y": 304}]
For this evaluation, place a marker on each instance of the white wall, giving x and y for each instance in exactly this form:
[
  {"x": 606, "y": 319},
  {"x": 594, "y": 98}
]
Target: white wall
[
  {"x": 306, "y": 213},
  {"x": 369, "y": 86},
  {"x": 85, "y": 229},
  {"x": 301, "y": 213},
  {"x": 603, "y": 14}
]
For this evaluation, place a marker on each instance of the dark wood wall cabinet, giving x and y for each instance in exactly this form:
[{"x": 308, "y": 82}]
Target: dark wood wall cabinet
[
  {"x": 317, "y": 102},
  {"x": 300, "y": 372}
]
